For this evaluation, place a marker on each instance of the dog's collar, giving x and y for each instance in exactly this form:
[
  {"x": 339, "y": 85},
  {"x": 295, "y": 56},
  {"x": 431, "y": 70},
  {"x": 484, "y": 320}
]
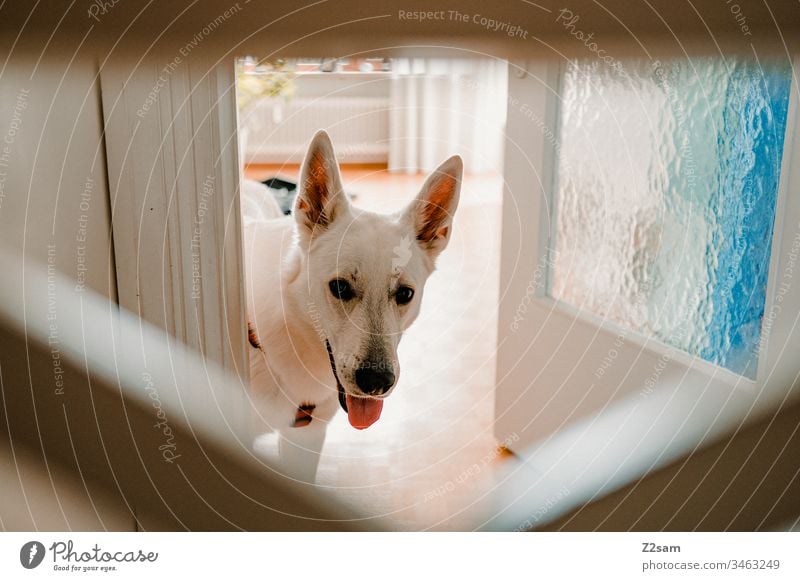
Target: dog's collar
[
  {"x": 304, "y": 415},
  {"x": 252, "y": 337},
  {"x": 342, "y": 396}
]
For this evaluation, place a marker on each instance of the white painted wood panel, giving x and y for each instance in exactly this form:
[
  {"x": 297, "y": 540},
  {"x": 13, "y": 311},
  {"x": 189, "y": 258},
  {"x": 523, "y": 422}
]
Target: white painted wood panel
[{"x": 174, "y": 177}]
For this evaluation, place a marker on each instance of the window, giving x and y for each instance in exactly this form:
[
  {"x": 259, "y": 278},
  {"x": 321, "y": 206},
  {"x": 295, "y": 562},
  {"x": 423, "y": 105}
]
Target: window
[{"x": 666, "y": 189}]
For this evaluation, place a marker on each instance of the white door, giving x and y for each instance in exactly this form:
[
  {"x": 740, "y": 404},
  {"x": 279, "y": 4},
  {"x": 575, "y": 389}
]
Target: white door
[{"x": 639, "y": 254}]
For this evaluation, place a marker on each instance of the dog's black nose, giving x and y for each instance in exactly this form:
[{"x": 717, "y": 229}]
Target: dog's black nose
[{"x": 373, "y": 380}]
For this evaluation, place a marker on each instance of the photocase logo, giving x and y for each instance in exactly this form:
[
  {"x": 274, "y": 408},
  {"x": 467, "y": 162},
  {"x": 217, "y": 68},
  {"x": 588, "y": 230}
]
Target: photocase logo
[
  {"x": 402, "y": 253},
  {"x": 31, "y": 554}
]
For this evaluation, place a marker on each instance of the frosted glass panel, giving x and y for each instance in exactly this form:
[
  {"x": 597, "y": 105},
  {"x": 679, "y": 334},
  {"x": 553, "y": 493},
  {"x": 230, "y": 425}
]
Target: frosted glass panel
[{"x": 665, "y": 199}]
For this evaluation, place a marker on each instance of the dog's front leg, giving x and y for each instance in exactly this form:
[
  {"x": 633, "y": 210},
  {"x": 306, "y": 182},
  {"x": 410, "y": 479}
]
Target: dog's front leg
[{"x": 300, "y": 448}]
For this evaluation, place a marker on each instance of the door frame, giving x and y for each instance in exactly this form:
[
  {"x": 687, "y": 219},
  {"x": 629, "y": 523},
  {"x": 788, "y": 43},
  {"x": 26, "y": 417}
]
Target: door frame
[
  {"x": 537, "y": 391},
  {"x": 173, "y": 171}
]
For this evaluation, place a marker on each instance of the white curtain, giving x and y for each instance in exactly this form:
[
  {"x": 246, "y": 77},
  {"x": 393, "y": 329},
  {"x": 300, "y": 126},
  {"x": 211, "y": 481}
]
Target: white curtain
[{"x": 440, "y": 107}]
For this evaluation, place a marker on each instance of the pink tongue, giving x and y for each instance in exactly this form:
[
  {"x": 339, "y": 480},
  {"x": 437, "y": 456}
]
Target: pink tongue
[{"x": 363, "y": 412}]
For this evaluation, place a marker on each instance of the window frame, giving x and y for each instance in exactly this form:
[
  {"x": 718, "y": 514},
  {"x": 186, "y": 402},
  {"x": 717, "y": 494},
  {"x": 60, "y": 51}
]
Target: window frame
[
  {"x": 530, "y": 160},
  {"x": 656, "y": 344}
]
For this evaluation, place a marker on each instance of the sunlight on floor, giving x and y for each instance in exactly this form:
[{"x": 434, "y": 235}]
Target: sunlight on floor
[{"x": 433, "y": 449}]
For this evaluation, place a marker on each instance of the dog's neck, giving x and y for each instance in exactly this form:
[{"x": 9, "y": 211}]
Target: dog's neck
[{"x": 296, "y": 317}]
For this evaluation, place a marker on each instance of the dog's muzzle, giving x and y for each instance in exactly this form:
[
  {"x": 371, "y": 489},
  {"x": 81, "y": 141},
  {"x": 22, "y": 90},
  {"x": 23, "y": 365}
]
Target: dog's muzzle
[{"x": 361, "y": 412}]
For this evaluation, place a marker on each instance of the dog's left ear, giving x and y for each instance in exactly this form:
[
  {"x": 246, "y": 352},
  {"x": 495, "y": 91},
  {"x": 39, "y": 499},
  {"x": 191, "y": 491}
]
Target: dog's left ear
[
  {"x": 431, "y": 213},
  {"x": 320, "y": 196}
]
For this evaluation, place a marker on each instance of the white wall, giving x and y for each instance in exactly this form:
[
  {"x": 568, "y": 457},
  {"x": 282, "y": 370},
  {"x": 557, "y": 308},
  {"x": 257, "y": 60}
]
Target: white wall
[
  {"x": 54, "y": 208},
  {"x": 54, "y": 201},
  {"x": 352, "y": 107}
]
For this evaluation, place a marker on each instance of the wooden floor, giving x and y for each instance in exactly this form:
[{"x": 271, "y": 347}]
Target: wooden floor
[{"x": 433, "y": 450}]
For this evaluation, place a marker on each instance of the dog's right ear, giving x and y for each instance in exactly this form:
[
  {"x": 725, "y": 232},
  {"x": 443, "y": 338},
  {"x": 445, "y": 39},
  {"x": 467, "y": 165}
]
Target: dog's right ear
[
  {"x": 320, "y": 196},
  {"x": 431, "y": 213}
]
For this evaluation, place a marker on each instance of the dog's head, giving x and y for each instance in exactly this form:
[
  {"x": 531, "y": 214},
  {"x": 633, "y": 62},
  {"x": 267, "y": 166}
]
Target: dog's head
[{"x": 365, "y": 272}]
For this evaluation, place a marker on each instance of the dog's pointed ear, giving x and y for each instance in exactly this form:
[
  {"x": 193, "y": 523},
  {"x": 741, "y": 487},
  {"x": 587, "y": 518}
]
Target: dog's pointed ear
[
  {"x": 320, "y": 196},
  {"x": 431, "y": 213}
]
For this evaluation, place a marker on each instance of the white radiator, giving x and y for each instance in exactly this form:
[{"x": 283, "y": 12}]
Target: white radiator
[{"x": 275, "y": 131}]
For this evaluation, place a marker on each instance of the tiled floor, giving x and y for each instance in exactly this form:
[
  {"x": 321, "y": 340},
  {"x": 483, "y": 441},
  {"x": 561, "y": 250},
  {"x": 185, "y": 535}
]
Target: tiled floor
[{"x": 433, "y": 448}]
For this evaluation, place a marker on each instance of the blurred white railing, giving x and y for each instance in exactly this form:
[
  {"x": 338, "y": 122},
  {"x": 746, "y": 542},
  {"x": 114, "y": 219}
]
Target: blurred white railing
[{"x": 122, "y": 404}]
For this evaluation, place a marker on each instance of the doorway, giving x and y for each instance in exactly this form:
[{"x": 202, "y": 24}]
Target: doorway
[{"x": 392, "y": 121}]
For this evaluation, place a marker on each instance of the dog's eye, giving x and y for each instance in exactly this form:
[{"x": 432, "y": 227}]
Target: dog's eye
[
  {"x": 341, "y": 289},
  {"x": 404, "y": 295}
]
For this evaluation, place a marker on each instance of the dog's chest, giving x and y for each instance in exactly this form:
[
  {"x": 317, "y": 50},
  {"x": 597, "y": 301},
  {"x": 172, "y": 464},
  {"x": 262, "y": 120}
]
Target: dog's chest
[{"x": 285, "y": 381}]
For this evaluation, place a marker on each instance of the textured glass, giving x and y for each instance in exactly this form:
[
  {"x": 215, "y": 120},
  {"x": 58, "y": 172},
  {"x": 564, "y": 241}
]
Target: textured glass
[{"x": 665, "y": 199}]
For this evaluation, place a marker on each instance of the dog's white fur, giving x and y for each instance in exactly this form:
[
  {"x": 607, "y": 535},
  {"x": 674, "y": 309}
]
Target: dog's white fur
[
  {"x": 292, "y": 310},
  {"x": 258, "y": 203}
]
